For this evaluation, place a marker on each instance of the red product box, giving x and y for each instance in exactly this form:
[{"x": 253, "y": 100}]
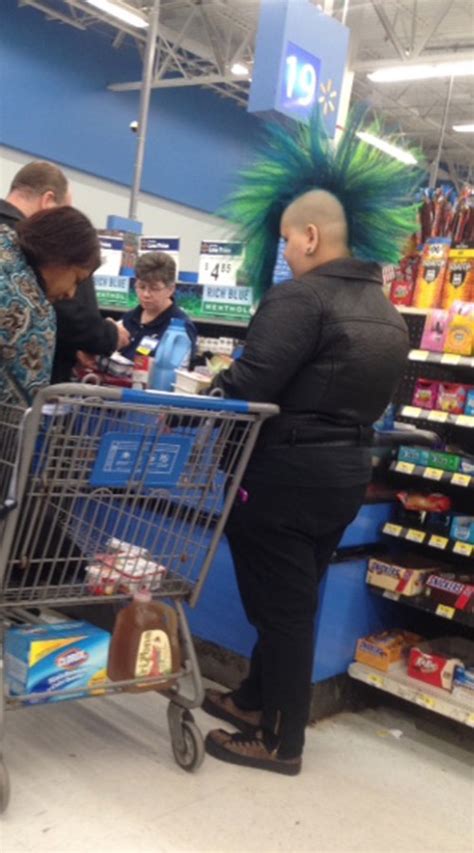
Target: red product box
[
  {"x": 453, "y": 590},
  {"x": 435, "y": 662},
  {"x": 426, "y": 393},
  {"x": 451, "y": 398}
]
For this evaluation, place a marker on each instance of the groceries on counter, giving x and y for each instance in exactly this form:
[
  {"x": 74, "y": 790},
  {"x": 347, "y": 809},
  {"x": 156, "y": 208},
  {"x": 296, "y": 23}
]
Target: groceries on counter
[
  {"x": 404, "y": 575},
  {"x": 435, "y": 661},
  {"x": 173, "y": 353},
  {"x": 452, "y": 589},
  {"x": 115, "y": 370},
  {"x": 382, "y": 650},
  {"x": 145, "y": 643},
  {"x": 123, "y": 569},
  {"x": 449, "y": 397},
  {"x": 56, "y": 657}
]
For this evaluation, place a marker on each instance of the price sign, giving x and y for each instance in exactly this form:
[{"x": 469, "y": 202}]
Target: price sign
[
  {"x": 416, "y": 536},
  {"x": 392, "y": 596},
  {"x": 461, "y": 480},
  {"x": 465, "y": 420},
  {"x": 433, "y": 474},
  {"x": 405, "y": 467},
  {"x": 219, "y": 263},
  {"x": 463, "y": 548},
  {"x": 438, "y": 542},
  {"x": 392, "y": 529},
  {"x": 169, "y": 245},
  {"x": 418, "y": 355},
  {"x": 425, "y": 700},
  {"x": 112, "y": 290},
  {"x": 376, "y": 680},
  {"x": 444, "y": 610},
  {"x": 411, "y": 412},
  {"x": 450, "y": 358},
  {"x": 233, "y": 302},
  {"x": 439, "y": 417}
]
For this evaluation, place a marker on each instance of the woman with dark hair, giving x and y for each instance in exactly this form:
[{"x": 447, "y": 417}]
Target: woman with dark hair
[{"x": 50, "y": 254}]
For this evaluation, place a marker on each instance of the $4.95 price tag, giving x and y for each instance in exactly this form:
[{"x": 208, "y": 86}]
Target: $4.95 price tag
[{"x": 220, "y": 262}]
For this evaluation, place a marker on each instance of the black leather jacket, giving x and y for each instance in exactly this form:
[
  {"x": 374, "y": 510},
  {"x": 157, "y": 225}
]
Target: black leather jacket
[{"x": 328, "y": 348}]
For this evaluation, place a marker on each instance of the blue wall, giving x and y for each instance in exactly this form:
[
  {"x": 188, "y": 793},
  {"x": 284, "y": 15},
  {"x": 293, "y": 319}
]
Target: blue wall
[{"x": 55, "y": 105}]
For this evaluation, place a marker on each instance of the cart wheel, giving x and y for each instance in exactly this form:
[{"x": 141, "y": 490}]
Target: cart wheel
[
  {"x": 4, "y": 787},
  {"x": 192, "y": 755}
]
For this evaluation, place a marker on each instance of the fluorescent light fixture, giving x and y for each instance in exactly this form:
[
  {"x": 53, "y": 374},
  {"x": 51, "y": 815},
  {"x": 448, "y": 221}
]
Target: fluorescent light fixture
[
  {"x": 463, "y": 128},
  {"x": 426, "y": 71},
  {"x": 121, "y": 11},
  {"x": 387, "y": 148},
  {"x": 240, "y": 70}
]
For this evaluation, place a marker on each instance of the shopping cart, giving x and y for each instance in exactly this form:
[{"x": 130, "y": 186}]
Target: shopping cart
[{"x": 86, "y": 468}]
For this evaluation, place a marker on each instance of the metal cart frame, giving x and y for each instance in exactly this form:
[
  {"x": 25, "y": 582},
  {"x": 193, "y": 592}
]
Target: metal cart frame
[{"x": 89, "y": 467}]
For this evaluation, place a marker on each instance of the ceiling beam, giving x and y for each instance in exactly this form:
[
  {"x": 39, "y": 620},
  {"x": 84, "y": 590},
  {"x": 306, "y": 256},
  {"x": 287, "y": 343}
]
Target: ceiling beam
[
  {"x": 368, "y": 65},
  {"x": 389, "y": 29},
  {"x": 430, "y": 32},
  {"x": 180, "y": 82}
]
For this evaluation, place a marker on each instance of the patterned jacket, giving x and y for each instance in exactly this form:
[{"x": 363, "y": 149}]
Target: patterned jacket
[{"x": 27, "y": 325}]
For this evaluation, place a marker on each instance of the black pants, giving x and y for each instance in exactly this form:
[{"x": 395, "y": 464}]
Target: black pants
[{"x": 282, "y": 540}]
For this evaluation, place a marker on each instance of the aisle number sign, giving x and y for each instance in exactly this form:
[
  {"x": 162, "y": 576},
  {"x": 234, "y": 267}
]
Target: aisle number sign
[{"x": 169, "y": 245}]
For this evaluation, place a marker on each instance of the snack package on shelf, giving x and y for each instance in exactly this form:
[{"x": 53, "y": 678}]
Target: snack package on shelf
[
  {"x": 124, "y": 568},
  {"x": 56, "y": 657},
  {"x": 459, "y": 279},
  {"x": 469, "y": 409},
  {"x": 403, "y": 283},
  {"x": 426, "y": 393},
  {"x": 419, "y": 502},
  {"x": 451, "y": 398},
  {"x": 463, "y": 682},
  {"x": 459, "y": 338},
  {"x": 431, "y": 272},
  {"x": 462, "y": 528},
  {"x": 382, "y": 650},
  {"x": 404, "y": 575},
  {"x": 435, "y": 330},
  {"x": 452, "y": 589},
  {"x": 434, "y": 662}
]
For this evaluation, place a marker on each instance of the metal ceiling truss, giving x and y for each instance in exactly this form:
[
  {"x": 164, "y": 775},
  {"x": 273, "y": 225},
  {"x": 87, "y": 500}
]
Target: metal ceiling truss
[{"x": 199, "y": 40}]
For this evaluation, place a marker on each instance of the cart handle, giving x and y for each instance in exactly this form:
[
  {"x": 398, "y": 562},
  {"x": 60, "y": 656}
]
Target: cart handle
[{"x": 200, "y": 403}]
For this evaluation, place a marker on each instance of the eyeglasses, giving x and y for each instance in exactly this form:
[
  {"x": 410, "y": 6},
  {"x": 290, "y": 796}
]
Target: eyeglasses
[{"x": 152, "y": 288}]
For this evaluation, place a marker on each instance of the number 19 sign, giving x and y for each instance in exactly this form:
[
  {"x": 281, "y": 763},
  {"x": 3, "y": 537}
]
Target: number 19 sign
[
  {"x": 300, "y": 79},
  {"x": 220, "y": 262}
]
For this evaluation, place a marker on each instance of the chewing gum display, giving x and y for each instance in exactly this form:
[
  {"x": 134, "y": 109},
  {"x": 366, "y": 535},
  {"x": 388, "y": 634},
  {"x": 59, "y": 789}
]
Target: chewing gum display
[{"x": 431, "y": 273}]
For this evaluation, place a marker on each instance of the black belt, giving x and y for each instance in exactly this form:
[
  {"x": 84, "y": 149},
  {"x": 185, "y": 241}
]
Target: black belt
[{"x": 309, "y": 435}]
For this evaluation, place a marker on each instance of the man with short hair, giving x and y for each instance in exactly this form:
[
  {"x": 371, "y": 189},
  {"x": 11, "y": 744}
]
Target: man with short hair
[{"x": 80, "y": 326}]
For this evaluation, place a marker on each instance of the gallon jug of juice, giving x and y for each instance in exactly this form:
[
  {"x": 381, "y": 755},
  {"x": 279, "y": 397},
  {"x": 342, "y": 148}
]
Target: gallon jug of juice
[
  {"x": 145, "y": 642},
  {"x": 174, "y": 351}
]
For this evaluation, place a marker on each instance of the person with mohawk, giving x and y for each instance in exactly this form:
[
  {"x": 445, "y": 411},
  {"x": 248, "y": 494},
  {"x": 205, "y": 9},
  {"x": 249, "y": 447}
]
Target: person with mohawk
[{"x": 329, "y": 348}]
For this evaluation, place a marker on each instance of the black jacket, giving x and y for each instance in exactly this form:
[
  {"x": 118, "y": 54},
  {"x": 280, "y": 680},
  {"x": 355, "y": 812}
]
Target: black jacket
[
  {"x": 80, "y": 325},
  {"x": 329, "y": 349},
  {"x": 155, "y": 329}
]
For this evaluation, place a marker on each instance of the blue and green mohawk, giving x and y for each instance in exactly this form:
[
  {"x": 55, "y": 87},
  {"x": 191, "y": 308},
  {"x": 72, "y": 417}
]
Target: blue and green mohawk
[{"x": 376, "y": 191}]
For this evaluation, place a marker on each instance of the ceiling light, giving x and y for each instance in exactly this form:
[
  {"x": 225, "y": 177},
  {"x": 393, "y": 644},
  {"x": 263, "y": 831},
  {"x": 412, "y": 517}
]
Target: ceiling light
[
  {"x": 463, "y": 128},
  {"x": 240, "y": 70},
  {"x": 388, "y": 148},
  {"x": 120, "y": 11},
  {"x": 401, "y": 73}
]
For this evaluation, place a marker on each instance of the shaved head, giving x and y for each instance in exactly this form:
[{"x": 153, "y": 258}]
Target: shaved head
[
  {"x": 319, "y": 208},
  {"x": 314, "y": 228}
]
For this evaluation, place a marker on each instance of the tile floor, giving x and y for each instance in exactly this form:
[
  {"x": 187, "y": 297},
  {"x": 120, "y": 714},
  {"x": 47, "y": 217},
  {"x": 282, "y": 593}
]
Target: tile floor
[{"x": 99, "y": 776}]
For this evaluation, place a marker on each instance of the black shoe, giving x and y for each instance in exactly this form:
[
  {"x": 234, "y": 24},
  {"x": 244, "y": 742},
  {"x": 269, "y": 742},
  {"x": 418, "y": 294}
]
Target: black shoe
[
  {"x": 250, "y": 750},
  {"x": 222, "y": 706}
]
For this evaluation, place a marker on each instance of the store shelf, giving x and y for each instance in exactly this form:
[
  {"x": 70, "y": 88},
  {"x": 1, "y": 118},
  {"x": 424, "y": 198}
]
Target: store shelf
[
  {"x": 425, "y": 537},
  {"x": 398, "y": 683},
  {"x": 443, "y": 358},
  {"x": 423, "y": 602},
  {"x": 465, "y": 481},
  {"x": 434, "y": 416},
  {"x": 408, "y": 309}
]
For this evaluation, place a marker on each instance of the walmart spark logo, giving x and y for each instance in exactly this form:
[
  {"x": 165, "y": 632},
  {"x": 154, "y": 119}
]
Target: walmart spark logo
[{"x": 328, "y": 97}]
